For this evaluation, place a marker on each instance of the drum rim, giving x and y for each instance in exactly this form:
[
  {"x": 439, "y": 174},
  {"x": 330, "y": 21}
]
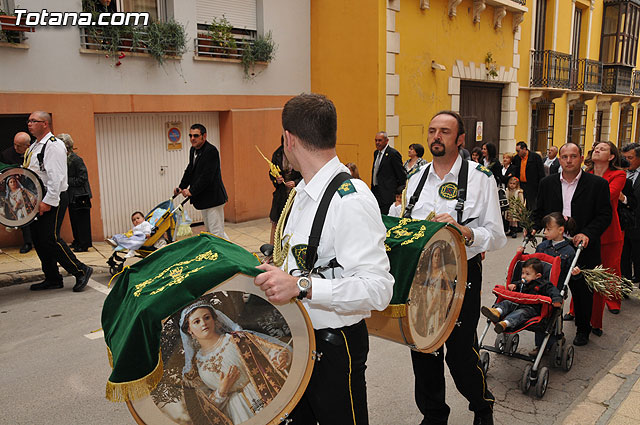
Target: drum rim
[
  {"x": 40, "y": 193},
  {"x": 304, "y": 380}
]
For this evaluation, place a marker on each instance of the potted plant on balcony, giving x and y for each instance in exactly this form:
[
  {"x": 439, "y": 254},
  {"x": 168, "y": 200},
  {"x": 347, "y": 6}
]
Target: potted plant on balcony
[
  {"x": 491, "y": 65},
  {"x": 221, "y": 37},
  {"x": 166, "y": 39},
  {"x": 261, "y": 50}
]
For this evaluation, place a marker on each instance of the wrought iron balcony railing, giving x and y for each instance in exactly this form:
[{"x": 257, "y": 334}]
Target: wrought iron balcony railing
[
  {"x": 588, "y": 75},
  {"x": 550, "y": 69},
  {"x": 616, "y": 79},
  {"x": 636, "y": 83}
]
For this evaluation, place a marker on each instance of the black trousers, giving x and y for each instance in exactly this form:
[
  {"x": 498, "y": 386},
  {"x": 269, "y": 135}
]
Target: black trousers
[
  {"x": 582, "y": 303},
  {"x": 530, "y": 194},
  {"x": 337, "y": 391},
  {"x": 26, "y": 235},
  {"x": 51, "y": 249},
  {"x": 382, "y": 204},
  {"x": 462, "y": 358},
  {"x": 80, "y": 219},
  {"x": 630, "y": 260}
]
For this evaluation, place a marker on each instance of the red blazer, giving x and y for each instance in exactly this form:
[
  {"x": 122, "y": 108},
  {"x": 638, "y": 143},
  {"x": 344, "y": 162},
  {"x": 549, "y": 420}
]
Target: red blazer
[{"x": 616, "y": 179}]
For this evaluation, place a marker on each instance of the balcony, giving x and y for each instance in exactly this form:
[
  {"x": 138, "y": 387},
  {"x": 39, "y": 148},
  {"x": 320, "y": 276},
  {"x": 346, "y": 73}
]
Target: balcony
[
  {"x": 559, "y": 70},
  {"x": 617, "y": 79},
  {"x": 636, "y": 83},
  {"x": 206, "y": 48}
]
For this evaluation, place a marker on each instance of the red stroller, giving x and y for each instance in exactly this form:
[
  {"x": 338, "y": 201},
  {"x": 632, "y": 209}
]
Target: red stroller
[{"x": 549, "y": 323}]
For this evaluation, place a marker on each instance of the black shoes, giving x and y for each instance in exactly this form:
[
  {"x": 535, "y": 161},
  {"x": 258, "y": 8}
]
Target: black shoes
[
  {"x": 78, "y": 249},
  {"x": 485, "y": 418},
  {"x": 567, "y": 317},
  {"x": 581, "y": 339},
  {"x": 614, "y": 311},
  {"x": 596, "y": 331},
  {"x": 25, "y": 248},
  {"x": 81, "y": 281},
  {"x": 47, "y": 284}
]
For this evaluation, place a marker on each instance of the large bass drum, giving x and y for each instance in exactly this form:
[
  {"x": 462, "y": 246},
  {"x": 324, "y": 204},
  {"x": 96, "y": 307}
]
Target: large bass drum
[
  {"x": 428, "y": 261},
  {"x": 21, "y": 192},
  {"x": 266, "y": 350}
]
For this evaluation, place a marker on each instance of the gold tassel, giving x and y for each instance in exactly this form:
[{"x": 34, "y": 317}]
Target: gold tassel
[
  {"x": 403, "y": 204},
  {"x": 110, "y": 356},
  {"x": 135, "y": 390},
  {"x": 395, "y": 310},
  {"x": 280, "y": 252}
]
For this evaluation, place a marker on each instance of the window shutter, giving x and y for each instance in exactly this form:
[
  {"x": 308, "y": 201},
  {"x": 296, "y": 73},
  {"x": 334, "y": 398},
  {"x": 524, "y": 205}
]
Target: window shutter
[{"x": 240, "y": 13}]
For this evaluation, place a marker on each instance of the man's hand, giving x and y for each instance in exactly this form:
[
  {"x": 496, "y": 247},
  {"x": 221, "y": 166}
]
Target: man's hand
[
  {"x": 44, "y": 208},
  {"x": 176, "y": 191},
  {"x": 278, "y": 286},
  {"x": 446, "y": 218},
  {"x": 290, "y": 184},
  {"x": 557, "y": 304},
  {"x": 581, "y": 237},
  {"x": 186, "y": 193},
  {"x": 575, "y": 271},
  {"x": 279, "y": 179},
  {"x": 526, "y": 233}
]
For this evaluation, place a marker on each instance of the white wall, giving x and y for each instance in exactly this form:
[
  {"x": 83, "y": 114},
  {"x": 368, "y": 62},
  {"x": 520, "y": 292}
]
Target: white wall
[{"x": 53, "y": 62}]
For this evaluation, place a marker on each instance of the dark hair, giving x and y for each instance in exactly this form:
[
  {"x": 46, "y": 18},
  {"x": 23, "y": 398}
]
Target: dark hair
[
  {"x": 399, "y": 190},
  {"x": 632, "y": 147},
  {"x": 458, "y": 119},
  {"x": 418, "y": 148},
  {"x": 570, "y": 143},
  {"x": 311, "y": 118},
  {"x": 492, "y": 151},
  {"x": 568, "y": 223},
  {"x": 624, "y": 163},
  {"x": 136, "y": 213},
  {"x": 185, "y": 324},
  {"x": 478, "y": 151},
  {"x": 614, "y": 164},
  {"x": 202, "y": 128},
  {"x": 522, "y": 145},
  {"x": 354, "y": 170},
  {"x": 535, "y": 264}
]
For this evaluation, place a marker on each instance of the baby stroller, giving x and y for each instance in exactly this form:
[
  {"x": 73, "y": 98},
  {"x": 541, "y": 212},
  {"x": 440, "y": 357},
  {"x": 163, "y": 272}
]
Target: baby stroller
[
  {"x": 163, "y": 218},
  {"x": 549, "y": 322}
]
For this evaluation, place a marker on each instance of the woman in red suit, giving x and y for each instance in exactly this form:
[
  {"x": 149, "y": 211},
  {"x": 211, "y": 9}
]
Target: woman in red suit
[{"x": 605, "y": 161}]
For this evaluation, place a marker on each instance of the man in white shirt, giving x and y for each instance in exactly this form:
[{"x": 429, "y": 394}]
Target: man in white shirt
[
  {"x": 47, "y": 157},
  {"x": 481, "y": 225},
  {"x": 551, "y": 163},
  {"x": 387, "y": 173},
  {"x": 339, "y": 300}
]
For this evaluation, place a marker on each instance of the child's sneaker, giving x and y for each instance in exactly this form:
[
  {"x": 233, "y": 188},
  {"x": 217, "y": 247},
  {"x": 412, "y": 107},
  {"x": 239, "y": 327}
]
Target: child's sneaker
[
  {"x": 111, "y": 242},
  {"x": 492, "y": 314},
  {"x": 500, "y": 327}
]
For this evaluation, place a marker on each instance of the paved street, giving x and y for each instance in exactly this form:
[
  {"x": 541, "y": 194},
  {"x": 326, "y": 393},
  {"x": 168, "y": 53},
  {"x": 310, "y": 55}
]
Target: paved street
[{"x": 54, "y": 370}]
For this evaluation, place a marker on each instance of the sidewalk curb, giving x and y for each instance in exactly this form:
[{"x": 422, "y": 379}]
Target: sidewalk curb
[{"x": 33, "y": 275}]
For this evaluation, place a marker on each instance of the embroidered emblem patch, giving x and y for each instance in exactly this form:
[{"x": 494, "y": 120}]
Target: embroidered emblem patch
[
  {"x": 346, "y": 188},
  {"x": 300, "y": 254},
  {"x": 484, "y": 170},
  {"x": 448, "y": 191}
]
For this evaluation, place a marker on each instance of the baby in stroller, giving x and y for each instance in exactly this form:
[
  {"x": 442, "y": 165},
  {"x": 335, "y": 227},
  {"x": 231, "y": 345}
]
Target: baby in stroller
[
  {"x": 134, "y": 238},
  {"x": 509, "y": 315}
]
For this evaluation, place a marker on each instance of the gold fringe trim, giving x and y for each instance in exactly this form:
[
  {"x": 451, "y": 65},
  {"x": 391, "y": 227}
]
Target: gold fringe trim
[
  {"x": 395, "y": 310},
  {"x": 110, "y": 356},
  {"x": 135, "y": 390}
]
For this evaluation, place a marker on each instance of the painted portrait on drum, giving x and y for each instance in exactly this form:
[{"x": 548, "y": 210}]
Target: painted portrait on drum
[
  {"x": 226, "y": 356},
  {"x": 18, "y": 201},
  {"x": 434, "y": 294}
]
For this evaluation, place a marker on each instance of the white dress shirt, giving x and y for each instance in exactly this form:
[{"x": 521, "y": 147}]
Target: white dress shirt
[
  {"x": 481, "y": 204},
  {"x": 55, "y": 163},
  {"x": 568, "y": 189},
  {"x": 353, "y": 233}
]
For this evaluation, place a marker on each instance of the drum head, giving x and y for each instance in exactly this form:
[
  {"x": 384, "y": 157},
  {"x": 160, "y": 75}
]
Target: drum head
[
  {"x": 21, "y": 192},
  {"x": 253, "y": 371},
  {"x": 437, "y": 290}
]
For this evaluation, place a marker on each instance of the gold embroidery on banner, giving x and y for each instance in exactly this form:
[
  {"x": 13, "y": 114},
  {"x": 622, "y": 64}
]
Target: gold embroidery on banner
[
  {"x": 175, "y": 272},
  {"x": 417, "y": 235}
]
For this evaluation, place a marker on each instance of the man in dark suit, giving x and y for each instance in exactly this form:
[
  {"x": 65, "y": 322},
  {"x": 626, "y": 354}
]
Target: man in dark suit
[
  {"x": 585, "y": 198},
  {"x": 630, "y": 260},
  {"x": 551, "y": 162},
  {"x": 202, "y": 181},
  {"x": 528, "y": 168},
  {"x": 387, "y": 173}
]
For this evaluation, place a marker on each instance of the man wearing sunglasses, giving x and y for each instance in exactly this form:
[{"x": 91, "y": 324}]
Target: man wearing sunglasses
[{"x": 202, "y": 181}]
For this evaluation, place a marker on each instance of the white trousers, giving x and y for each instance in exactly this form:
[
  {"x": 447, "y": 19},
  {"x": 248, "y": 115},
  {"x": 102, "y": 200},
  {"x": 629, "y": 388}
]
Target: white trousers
[{"x": 214, "y": 221}]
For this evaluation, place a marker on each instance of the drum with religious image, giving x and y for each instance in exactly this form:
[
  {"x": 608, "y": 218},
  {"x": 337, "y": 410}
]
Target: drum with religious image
[
  {"x": 227, "y": 356},
  {"x": 21, "y": 192},
  {"x": 429, "y": 264}
]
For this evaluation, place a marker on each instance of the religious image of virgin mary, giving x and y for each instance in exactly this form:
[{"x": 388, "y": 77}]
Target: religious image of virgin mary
[{"x": 234, "y": 373}]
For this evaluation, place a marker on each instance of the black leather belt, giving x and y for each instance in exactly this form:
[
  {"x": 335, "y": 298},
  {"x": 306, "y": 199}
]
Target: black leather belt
[{"x": 334, "y": 336}]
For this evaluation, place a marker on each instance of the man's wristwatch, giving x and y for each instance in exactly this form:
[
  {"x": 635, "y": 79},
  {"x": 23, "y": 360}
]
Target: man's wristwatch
[
  {"x": 469, "y": 241},
  {"x": 304, "y": 285}
]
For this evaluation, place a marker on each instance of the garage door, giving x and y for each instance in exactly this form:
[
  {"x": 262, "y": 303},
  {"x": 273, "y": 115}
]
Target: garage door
[{"x": 136, "y": 169}]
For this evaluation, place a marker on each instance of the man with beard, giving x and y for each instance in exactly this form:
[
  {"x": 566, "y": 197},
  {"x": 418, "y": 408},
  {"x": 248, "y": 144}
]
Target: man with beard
[{"x": 437, "y": 188}]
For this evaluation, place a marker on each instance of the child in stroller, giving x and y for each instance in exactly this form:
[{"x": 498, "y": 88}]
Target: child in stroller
[
  {"x": 134, "y": 238},
  {"x": 511, "y": 315}
]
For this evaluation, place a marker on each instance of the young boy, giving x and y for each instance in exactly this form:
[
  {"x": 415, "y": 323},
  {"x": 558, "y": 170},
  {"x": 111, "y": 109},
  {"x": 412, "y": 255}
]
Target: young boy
[
  {"x": 509, "y": 315},
  {"x": 135, "y": 237},
  {"x": 396, "y": 209}
]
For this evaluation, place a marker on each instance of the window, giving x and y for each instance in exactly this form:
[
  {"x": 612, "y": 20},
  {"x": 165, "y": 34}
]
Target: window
[
  {"x": 599, "y": 126},
  {"x": 541, "y": 11},
  {"x": 620, "y": 25},
  {"x": 542, "y": 120},
  {"x": 626, "y": 125},
  {"x": 156, "y": 8},
  {"x": 577, "y": 126},
  {"x": 242, "y": 14},
  {"x": 7, "y": 6}
]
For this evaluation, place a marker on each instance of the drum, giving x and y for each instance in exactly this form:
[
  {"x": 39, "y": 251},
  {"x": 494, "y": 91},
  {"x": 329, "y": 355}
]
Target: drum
[
  {"x": 228, "y": 356},
  {"x": 21, "y": 192},
  {"x": 429, "y": 263}
]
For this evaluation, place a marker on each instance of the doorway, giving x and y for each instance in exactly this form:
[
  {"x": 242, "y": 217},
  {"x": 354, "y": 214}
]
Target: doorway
[{"x": 480, "y": 106}]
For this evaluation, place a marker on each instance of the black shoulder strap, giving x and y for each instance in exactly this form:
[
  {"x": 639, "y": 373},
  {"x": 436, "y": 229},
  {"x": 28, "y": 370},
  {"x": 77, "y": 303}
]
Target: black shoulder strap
[
  {"x": 321, "y": 215},
  {"x": 414, "y": 198},
  {"x": 40, "y": 156},
  {"x": 462, "y": 189}
]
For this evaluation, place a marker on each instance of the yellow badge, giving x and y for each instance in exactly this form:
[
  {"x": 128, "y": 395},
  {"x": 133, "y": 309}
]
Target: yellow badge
[{"x": 448, "y": 191}]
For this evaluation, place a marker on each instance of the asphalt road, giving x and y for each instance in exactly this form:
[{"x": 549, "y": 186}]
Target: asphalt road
[{"x": 53, "y": 369}]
